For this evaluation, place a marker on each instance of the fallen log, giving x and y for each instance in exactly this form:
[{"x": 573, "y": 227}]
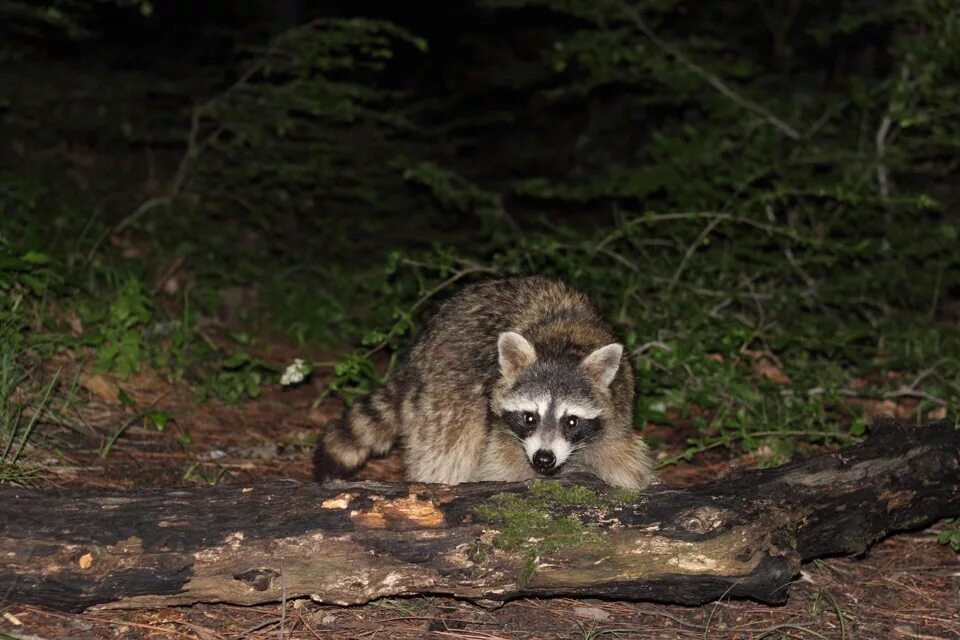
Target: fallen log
[{"x": 744, "y": 536}]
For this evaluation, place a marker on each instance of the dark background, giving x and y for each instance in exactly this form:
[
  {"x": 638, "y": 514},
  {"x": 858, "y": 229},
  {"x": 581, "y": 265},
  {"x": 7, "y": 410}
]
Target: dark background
[
  {"x": 737, "y": 185},
  {"x": 197, "y": 198}
]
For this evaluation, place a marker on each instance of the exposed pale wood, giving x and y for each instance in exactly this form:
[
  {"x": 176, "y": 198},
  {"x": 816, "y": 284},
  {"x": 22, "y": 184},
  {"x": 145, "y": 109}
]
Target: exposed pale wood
[{"x": 742, "y": 536}]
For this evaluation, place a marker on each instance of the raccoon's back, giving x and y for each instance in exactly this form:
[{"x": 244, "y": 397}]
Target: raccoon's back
[{"x": 458, "y": 345}]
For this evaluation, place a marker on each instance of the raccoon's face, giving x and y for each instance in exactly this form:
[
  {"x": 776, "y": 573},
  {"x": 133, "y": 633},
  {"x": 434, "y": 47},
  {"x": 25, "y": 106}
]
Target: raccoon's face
[{"x": 554, "y": 406}]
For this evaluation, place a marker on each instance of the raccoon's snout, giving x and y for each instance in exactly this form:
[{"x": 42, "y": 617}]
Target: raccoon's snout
[{"x": 544, "y": 461}]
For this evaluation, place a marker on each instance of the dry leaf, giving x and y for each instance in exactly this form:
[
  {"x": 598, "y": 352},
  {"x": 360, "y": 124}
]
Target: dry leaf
[
  {"x": 766, "y": 369},
  {"x": 858, "y": 384},
  {"x": 12, "y": 619},
  {"x": 100, "y": 387},
  {"x": 591, "y": 613}
]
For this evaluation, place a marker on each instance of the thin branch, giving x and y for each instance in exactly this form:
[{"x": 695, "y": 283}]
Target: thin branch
[
  {"x": 692, "y": 249},
  {"x": 881, "y": 138},
  {"x": 710, "y": 79},
  {"x": 884, "y": 131},
  {"x": 195, "y": 148},
  {"x": 913, "y": 393}
]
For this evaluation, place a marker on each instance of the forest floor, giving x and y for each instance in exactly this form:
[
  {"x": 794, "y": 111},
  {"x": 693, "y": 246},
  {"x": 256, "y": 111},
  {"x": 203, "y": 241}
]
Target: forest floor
[{"x": 907, "y": 586}]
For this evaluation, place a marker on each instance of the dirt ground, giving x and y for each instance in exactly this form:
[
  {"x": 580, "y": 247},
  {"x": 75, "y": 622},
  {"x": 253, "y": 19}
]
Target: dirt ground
[{"x": 907, "y": 586}]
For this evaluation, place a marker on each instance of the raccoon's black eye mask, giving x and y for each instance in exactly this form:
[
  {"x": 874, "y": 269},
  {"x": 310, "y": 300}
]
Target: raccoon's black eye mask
[
  {"x": 581, "y": 429},
  {"x": 518, "y": 422},
  {"x": 573, "y": 428}
]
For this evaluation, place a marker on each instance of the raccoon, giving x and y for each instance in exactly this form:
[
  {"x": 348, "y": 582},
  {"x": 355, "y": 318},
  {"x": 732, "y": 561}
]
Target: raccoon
[{"x": 512, "y": 379}]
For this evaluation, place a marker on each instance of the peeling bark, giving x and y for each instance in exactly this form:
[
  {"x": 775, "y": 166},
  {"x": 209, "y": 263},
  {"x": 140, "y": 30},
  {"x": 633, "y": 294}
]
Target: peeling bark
[{"x": 346, "y": 543}]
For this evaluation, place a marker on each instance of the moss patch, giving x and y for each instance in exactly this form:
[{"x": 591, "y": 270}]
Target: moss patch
[
  {"x": 545, "y": 490},
  {"x": 530, "y": 523}
]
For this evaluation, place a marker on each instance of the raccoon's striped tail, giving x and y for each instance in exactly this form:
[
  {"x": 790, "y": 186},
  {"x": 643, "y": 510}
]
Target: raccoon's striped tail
[{"x": 368, "y": 427}]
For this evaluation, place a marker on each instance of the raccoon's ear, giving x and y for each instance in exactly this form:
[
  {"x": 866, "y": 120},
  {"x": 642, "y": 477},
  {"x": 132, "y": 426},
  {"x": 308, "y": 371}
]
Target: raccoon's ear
[
  {"x": 515, "y": 353},
  {"x": 602, "y": 364}
]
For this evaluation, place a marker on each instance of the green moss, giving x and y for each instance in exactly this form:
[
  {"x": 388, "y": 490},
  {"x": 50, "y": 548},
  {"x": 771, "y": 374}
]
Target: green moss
[
  {"x": 856, "y": 542},
  {"x": 910, "y": 523},
  {"x": 530, "y": 523},
  {"x": 480, "y": 552},
  {"x": 577, "y": 496},
  {"x": 529, "y": 569},
  {"x": 619, "y": 496}
]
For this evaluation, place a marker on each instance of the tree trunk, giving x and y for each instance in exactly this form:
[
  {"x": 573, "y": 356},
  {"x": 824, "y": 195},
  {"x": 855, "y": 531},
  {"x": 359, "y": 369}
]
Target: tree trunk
[{"x": 346, "y": 543}]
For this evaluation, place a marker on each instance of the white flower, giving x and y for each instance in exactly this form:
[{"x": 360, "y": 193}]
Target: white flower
[{"x": 295, "y": 373}]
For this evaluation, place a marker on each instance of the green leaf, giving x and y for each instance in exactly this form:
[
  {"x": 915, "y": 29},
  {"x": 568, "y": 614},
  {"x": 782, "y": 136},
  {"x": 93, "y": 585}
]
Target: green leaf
[
  {"x": 858, "y": 427},
  {"x": 35, "y": 258},
  {"x": 159, "y": 419},
  {"x": 125, "y": 398},
  {"x": 237, "y": 360}
]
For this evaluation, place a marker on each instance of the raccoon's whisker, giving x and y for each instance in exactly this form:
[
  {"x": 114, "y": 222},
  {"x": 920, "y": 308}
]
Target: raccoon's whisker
[
  {"x": 583, "y": 443},
  {"x": 514, "y": 435}
]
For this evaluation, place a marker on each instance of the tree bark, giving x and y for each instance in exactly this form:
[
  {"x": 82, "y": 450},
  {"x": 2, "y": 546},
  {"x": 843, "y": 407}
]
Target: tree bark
[{"x": 347, "y": 543}]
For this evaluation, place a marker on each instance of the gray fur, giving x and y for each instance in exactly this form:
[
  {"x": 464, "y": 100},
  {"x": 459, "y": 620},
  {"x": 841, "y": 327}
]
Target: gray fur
[{"x": 453, "y": 400}]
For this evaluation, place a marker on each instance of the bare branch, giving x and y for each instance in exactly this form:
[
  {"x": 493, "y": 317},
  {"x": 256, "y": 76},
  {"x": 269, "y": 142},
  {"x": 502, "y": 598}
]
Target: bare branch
[{"x": 711, "y": 79}]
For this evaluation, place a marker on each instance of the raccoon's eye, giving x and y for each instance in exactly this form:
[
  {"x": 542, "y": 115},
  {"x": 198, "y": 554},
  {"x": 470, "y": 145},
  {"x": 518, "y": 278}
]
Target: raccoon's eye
[
  {"x": 529, "y": 418},
  {"x": 572, "y": 421}
]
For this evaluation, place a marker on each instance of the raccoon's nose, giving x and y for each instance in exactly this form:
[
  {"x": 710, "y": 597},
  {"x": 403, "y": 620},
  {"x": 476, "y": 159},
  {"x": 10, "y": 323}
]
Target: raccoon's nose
[{"x": 544, "y": 460}]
